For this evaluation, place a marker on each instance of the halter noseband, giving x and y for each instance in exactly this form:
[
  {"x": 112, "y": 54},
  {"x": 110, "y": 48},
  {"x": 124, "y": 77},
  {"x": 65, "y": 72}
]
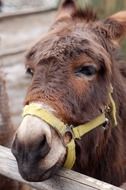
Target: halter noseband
[{"x": 76, "y": 131}]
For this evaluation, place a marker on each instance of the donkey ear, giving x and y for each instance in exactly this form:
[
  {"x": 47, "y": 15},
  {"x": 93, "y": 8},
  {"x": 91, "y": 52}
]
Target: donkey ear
[
  {"x": 76, "y": 9},
  {"x": 116, "y": 25},
  {"x": 66, "y": 9}
]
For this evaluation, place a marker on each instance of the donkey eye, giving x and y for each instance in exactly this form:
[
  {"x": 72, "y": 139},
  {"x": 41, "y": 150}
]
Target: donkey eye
[
  {"x": 88, "y": 70},
  {"x": 29, "y": 71}
]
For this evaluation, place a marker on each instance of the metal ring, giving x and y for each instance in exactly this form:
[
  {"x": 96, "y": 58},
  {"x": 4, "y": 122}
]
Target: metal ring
[{"x": 69, "y": 130}]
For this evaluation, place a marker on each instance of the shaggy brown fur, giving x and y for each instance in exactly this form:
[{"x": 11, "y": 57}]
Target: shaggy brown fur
[{"x": 60, "y": 79}]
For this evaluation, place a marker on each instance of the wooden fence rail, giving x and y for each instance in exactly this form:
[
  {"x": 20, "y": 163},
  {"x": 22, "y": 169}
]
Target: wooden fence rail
[{"x": 64, "y": 180}]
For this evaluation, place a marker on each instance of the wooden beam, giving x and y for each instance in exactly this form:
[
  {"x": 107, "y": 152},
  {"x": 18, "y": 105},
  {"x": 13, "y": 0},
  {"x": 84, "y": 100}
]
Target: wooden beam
[
  {"x": 22, "y": 13},
  {"x": 63, "y": 180}
]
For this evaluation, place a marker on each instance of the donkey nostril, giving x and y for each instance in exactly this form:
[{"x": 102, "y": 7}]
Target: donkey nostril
[
  {"x": 14, "y": 146},
  {"x": 43, "y": 147},
  {"x": 32, "y": 151},
  {"x": 42, "y": 142}
]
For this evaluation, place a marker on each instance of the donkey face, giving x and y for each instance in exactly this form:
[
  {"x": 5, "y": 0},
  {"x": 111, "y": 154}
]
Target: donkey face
[{"x": 71, "y": 68}]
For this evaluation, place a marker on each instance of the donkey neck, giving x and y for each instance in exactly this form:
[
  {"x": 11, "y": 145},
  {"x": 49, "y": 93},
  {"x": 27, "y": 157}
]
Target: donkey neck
[{"x": 119, "y": 94}]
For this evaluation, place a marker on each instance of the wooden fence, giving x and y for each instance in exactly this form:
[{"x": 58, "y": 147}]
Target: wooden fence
[{"x": 64, "y": 180}]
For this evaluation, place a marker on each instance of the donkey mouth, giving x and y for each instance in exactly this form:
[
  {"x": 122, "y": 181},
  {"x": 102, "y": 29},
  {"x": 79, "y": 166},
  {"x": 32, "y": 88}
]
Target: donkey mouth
[{"x": 37, "y": 175}]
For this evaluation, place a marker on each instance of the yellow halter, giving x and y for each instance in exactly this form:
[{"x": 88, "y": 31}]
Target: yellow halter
[{"x": 76, "y": 132}]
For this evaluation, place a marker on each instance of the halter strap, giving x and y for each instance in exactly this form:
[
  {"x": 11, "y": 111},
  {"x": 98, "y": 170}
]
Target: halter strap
[{"x": 77, "y": 132}]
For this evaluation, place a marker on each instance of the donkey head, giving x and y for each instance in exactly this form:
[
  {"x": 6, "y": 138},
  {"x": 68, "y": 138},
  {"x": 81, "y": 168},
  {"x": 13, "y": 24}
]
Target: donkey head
[{"x": 71, "y": 68}]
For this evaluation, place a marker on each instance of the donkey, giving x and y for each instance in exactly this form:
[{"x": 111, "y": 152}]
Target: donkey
[
  {"x": 78, "y": 86},
  {"x": 6, "y": 135}
]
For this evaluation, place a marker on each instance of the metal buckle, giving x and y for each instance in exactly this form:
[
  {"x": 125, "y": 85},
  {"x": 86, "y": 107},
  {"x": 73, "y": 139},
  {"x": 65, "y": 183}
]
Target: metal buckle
[
  {"x": 105, "y": 125},
  {"x": 69, "y": 131}
]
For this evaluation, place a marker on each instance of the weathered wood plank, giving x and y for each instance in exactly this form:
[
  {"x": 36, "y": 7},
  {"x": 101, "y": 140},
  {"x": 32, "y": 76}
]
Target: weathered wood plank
[
  {"x": 63, "y": 180},
  {"x": 22, "y": 13}
]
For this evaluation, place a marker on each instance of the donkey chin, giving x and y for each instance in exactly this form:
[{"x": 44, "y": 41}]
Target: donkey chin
[{"x": 38, "y": 149}]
